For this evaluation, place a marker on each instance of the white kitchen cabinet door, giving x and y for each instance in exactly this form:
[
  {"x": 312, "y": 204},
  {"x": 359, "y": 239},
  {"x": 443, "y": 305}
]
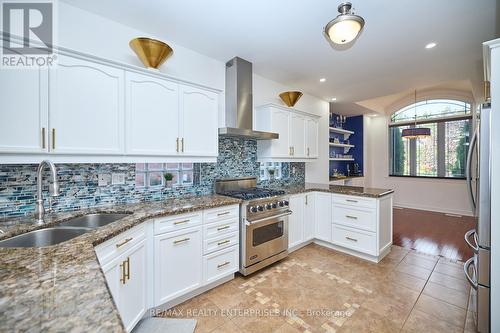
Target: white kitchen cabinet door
[
  {"x": 23, "y": 114},
  {"x": 199, "y": 125},
  {"x": 323, "y": 216},
  {"x": 132, "y": 292},
  {"x": 152, "y": 116},
  {"x": 296, "y": 221},
  {"x": 86, "y": 110},
  {"x": 312, "y": 138},
  {"x": 309, "y": 216},
  {"x": 177, "y": 264},
  {"x": 298, "y": 135},
  {"x": 280, "y": 124}
]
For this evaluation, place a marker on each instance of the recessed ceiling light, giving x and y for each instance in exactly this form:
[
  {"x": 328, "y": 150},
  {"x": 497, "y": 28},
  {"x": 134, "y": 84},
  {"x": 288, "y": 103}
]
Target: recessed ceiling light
[
  {"x": 322, "y": 79},
  {"x": 430, "y": 45},
  {"x": 333, "y": 99}
]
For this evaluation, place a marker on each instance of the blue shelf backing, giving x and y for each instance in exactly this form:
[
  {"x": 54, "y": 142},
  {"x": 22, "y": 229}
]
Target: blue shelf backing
[{"x": 354, "y": 124}]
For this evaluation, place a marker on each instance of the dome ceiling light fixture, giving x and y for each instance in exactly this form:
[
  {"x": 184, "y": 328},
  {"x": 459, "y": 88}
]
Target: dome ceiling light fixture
[{"x": 345, "y": 27}]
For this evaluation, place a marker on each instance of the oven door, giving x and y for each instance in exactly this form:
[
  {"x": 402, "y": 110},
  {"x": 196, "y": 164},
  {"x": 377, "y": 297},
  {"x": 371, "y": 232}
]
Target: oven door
[{"x": 265, "y": 238}]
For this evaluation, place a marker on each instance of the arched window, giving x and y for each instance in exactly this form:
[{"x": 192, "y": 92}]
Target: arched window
[{"x": 442, "y": 154}]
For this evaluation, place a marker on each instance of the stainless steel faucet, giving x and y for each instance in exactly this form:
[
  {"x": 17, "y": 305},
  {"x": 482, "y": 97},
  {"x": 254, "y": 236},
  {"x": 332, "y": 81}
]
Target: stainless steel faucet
[{"x": 53, "y": 188}]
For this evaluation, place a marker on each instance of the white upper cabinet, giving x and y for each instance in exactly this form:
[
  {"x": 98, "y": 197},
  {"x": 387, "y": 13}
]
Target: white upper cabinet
[
  {"x": 198, "y": 122},
  {"x": 86, "y": 108},
  {"x": 298, "y": 133},
  {"x": 23, "y": 114},
  {"x": 152, "y": 116},
  {"x": 312, "y": 129}
]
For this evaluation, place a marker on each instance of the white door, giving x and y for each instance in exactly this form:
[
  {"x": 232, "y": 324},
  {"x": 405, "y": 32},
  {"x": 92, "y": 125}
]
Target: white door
[
  {"x": 86, "y": 110},
  {"x": 309, "y": 216},
  {"x": 296, "y": 221},
  {"x": 23, "y": 111},
  {"x": 323, "y": 215},
  {"x": 199, "y": 125},
  {"x": 311, "y": 138},
  {"x": 132, "y": 290},
  {"x": 152, "y": 116},
  {"x": 280, "y": 124},
  {"x": 298, "y": 135},
  {"x": 177, "y": 263}
]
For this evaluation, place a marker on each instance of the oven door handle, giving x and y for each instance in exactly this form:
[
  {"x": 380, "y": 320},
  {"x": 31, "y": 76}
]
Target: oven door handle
[{"x": 289, "y": 212}]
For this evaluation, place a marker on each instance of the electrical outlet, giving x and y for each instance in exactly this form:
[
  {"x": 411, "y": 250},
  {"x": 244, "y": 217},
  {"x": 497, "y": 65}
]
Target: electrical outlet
[
  {"x": 103, "y": 179},
  {"x": 293, "y": 170},
  {"x": 117, "y": 178}
]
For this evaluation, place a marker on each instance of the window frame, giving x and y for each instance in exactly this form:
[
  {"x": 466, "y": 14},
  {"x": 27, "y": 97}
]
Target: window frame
[
  {"x": 441, "y": 141},
  {"x": 164, "y": 168}
]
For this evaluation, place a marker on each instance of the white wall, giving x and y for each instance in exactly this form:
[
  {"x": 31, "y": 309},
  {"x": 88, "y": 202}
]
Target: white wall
[
  {"x": 90, "y": 33},
  {"x": 442, "y": 195},
  {"x": 266, "y": 91}
]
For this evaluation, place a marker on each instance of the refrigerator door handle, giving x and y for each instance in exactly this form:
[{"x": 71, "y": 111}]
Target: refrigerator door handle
[
  {"x": 467, "y": 237},
  {"x": 468, "y": 264},
  {"x": 468, "y": 170}
]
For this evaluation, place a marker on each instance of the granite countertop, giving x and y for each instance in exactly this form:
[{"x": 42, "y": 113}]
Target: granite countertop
[
  {"x": 340, "y": 189},
  {"x": 62, "y": 288}
]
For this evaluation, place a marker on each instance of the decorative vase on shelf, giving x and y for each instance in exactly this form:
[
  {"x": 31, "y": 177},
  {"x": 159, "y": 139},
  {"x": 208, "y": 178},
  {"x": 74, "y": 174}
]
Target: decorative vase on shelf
[
  {"x": 271, "y": 173},
  {"x": 168, "y": 179}
]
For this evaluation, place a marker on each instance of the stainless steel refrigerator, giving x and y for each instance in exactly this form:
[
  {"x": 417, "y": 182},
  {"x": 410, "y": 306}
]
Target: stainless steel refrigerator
[{"x": 477, "y": 268}]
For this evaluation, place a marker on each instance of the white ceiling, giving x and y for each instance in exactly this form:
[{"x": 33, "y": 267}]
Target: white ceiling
[{"x": 284, "y": 40}]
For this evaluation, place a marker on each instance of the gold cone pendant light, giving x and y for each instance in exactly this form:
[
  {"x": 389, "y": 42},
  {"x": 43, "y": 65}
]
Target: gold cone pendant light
[
  {"x": 416, "y": 132},
  {"x": 345, "y": 27}
]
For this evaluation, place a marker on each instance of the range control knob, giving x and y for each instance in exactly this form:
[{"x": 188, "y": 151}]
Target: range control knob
[
  {"x": 260, "y": 208},
  {"x": 269, "y": 206},
  {"x": 285, "y": 202},
  {"x": 274, "y": 205},
  {"x": 253, "y": 209},
  {"x": 281, "y": 203}
]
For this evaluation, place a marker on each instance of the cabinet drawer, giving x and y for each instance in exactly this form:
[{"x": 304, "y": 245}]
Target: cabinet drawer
[
  {"x": 359, "y": 218},
  {"x": 220, "y": 228},
  {"x": 220, "y": 264},
  {"x": 358, "y": 240},
  {"x": 221, "y": 213},
  {"x": 218, "y": 243},
  {"x": 354, "y": 201},
  {"x": 176, "y": 222},
  {"x": 110, "y": 249}
]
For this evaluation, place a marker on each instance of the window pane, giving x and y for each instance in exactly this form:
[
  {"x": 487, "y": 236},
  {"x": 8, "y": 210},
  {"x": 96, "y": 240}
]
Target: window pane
[
  {"x": 400, "y": 152},
  {"x": 187, "y": 178},
  {"x": 432, "y": 109},
  {"x": 187, "y": 166},
  {"x": 427, "y": 153},
  {"x": 172, "y": 166},
  {"x": 457, "y": 140},
  {"x": 155, "y": 166},
  {"x": 175, "y": 180},
  {"x": 155, "y": 179},
  {"x": 140, "y": 166},
  {"x": 140, "y": 179}
]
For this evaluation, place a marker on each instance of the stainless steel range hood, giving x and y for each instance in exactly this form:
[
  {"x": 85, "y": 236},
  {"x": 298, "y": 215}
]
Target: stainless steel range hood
[{"x": 239, "y": 104}]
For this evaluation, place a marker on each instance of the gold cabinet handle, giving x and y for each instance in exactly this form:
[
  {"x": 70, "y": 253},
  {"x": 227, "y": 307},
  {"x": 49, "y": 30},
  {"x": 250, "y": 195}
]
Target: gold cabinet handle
[
  {"x": 350, "y": 200},
  {"x": 124, "y": 242},
  {"x": 222, "y": 214},
  {"x": 182, "y": 144},
  {"x": 181, "y": 222},
  {"x": 223, "y": 228},
  {"x": 177, "y": 145},
  {"x": 223, "y": 242},
  {"x": 351, "y": 217},
  {"x": 123, "y": 279},
  {"x": 293, "y": 151},
  {"x": 43, "y": 138},
  {"x": 307, "y": 151},
  {"x": 181, "y": 240},
  {"x": 128, "y": 268},
  {"x": 53, "y": 138},
  {"x": 224, "y": 264},
  {"x": 351, "y": 239}
]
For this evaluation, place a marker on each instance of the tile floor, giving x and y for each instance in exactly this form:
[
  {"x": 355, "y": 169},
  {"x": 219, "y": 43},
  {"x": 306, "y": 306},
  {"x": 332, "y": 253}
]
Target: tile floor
[{"x": 317, "y": 289}]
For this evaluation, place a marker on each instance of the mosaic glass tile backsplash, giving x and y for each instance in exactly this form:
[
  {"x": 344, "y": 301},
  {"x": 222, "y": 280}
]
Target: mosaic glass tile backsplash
[{"x": 79, "y": 182}]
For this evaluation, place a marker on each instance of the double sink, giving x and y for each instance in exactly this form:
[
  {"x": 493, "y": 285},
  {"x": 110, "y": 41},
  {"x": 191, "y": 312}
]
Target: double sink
[{"x": 65, "y": 231}]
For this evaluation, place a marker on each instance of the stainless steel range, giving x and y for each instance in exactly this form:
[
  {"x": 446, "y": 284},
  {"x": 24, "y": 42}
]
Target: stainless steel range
[{"x": 263, "y": 222}]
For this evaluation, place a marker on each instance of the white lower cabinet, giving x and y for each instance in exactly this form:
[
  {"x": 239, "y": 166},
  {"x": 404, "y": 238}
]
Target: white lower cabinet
[
  {"x": 296, "y": 221},
  {"x": 186, "y": 255},
  {"x": 309, "y": 216},
  {"x": 177, "y": 263},
  {"x": 323, "y": 210}
]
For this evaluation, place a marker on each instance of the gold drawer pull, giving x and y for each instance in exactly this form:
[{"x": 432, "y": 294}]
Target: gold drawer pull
[
  {"x": 351, "y": 217},
  {"x": 224, "y": 264},
  {"x": 224, "y": 227},
  {"x": 182, "y": 240},
  {"x": 181, "y": 222},
  {"x": 127, "y": 275},
  {"x": 177, "y": 147},
  {"x": 124, "y": 242},
  {"x": 43, "y": 138},
  {"x": 125, "y": 267},
  {"x": 351, "y": 239},
  {"x": 351, "y": 200},
  {"x": 223, "y": 242},
  {"x": 225, "y": 213},
  {"x": 53, "y": 138},
  {"x": 122, "y": 278}
]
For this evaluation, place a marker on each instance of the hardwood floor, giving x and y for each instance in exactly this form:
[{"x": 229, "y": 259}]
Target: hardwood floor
[{"x": 432, "y": 233}]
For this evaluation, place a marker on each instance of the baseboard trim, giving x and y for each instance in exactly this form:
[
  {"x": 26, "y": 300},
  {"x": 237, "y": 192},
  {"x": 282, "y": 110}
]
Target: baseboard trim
[
  {"x": 434, "y": 209},
  {"x": 374, "y": 259}
]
